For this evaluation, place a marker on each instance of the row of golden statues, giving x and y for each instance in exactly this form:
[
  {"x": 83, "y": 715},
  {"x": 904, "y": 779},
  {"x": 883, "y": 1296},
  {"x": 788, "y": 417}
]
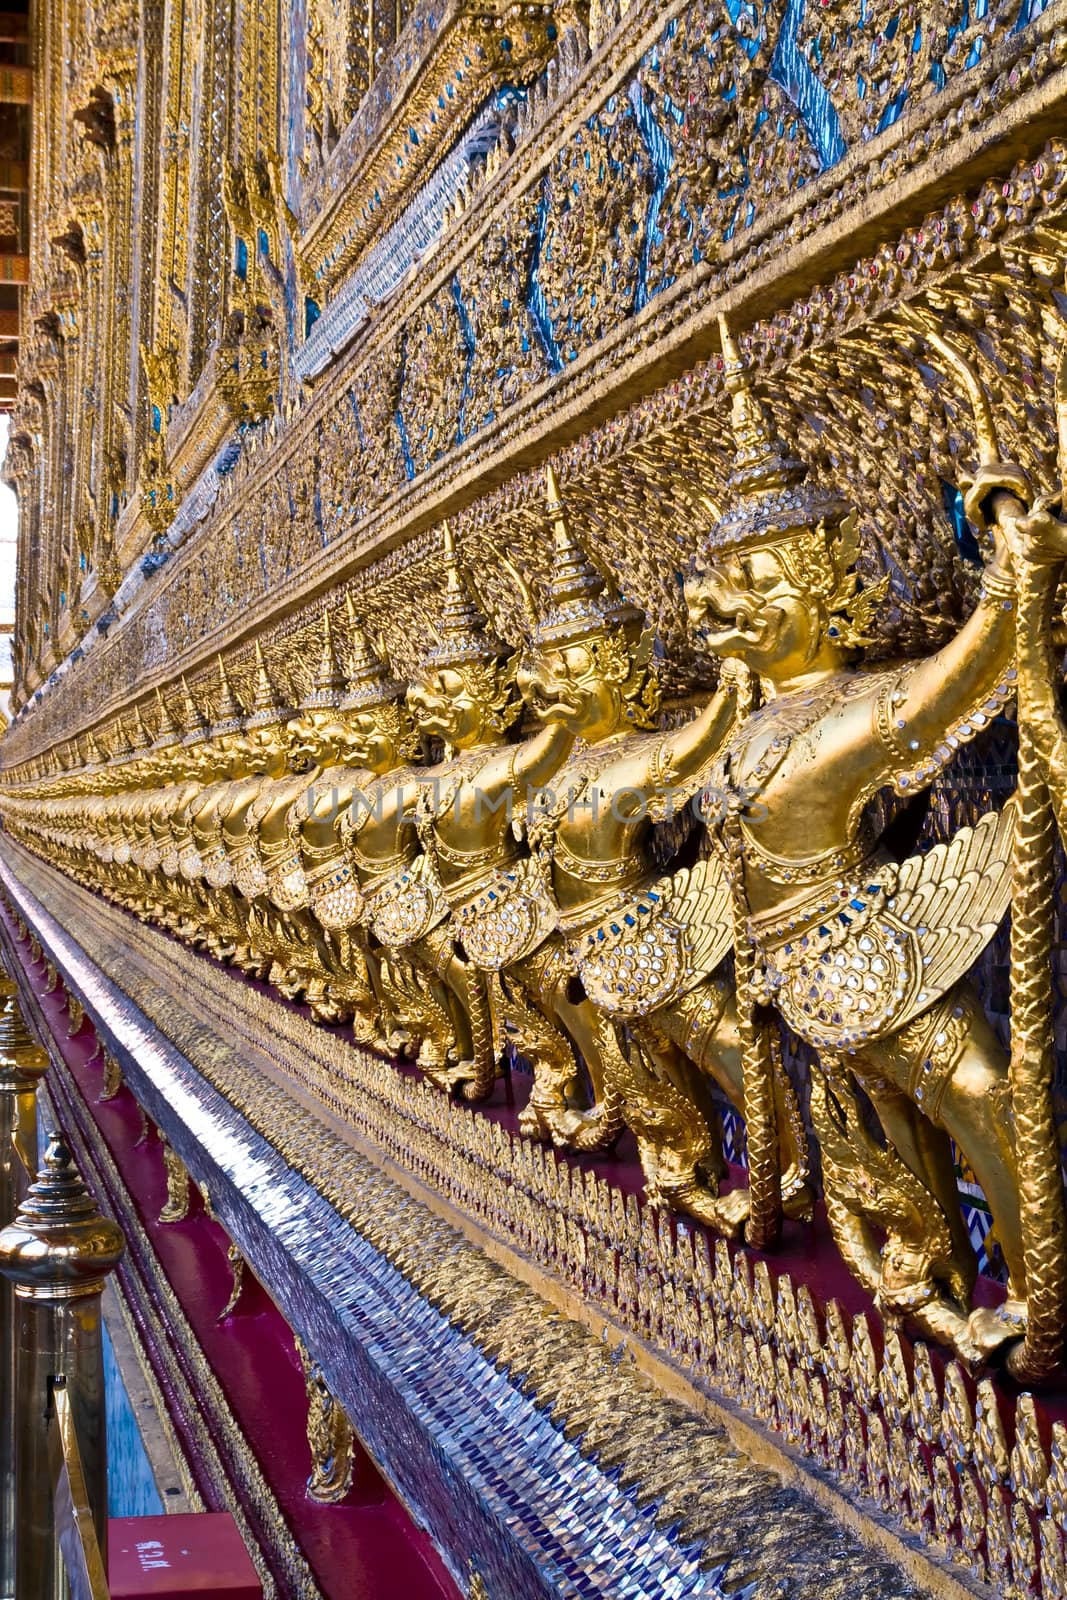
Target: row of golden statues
[{"x": 512, "y": 891}]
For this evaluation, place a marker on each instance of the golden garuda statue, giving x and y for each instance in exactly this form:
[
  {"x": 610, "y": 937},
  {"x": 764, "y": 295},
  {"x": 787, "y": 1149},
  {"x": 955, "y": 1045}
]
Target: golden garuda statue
[
  {"x": 521, "y": 886},
  {"x": 864, "y": 956}
]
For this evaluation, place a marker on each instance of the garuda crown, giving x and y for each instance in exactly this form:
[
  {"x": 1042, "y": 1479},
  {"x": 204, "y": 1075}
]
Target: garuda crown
[
  {"x": 463, "y": 635},
  {"x": 370, "y": 683},
  {"x": 768, "y": 497},
  {"x": 580, "y": 600}
]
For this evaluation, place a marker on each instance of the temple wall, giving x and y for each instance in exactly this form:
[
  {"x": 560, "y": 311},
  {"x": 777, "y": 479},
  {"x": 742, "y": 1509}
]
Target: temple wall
[{"x": 343, "y": 317}]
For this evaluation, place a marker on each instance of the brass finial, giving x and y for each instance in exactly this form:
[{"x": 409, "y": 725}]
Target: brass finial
[
  {"x": 14, "y": 1034},
  {"x": 59, "y": 1246},
  {"x": 22, "y": 1060}
]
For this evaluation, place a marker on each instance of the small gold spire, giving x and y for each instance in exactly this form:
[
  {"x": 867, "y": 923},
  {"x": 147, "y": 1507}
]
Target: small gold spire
[
  {"x": 768, "y": 499},
  {"x": 167, "y": 731},
  {"x": 140, "y": 738},
  {"x": 120, "y": 744},
  {"x": 227, "y": 711},
  {"x": 329, "y": 683},
  {"x": 369, "y": 681},
  {"x": 462, "y": 630},
  {"x": 580, "y": 600},
  {"x": 196, "y": 724}
]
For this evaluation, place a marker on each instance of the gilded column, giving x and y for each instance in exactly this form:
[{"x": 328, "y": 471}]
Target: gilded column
[
  {"x": 207, "y": 264},
  {"x": 113, "y": 130},
  {"x": 146, "y": 178}
]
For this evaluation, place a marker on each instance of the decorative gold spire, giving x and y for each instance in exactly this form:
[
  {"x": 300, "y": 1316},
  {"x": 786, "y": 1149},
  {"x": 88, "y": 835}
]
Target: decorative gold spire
[
  {"x": 119, "y": 743},
  {"x": 140, "y": 738},
  {"x": 462, "y": 632},
  {"x": 196, "y": 724},
  {"x": 581, "y": 601},
  {"x": 369, "y": 681},
  {"x": 267, "y": 703},
  {"x": 227, "y": 712},
  {"x": 768, "y": 497},
  {"x": 167, "y": 731},
  {"x": 329, "y": 683}
]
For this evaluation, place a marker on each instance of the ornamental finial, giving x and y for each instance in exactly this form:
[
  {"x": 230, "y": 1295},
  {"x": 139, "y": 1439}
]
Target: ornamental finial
[
  {"x": 369, "y": 681},
  {"x": 580, "y": 600},
  {"x": 59, "y": 1246},
  {"x": 463, "y": 633},
  {"x": 168, "y": 731},
  {"x": 227, "y": 711},
  {"x": 268, "y": 704},
  {"x": 329, "y": 682},
  {"x": 196, "y": 724},
  {"x": 768, "y": 499}
]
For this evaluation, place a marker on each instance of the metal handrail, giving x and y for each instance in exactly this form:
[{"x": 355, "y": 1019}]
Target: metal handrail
[{"x": 75, "y": 1528}]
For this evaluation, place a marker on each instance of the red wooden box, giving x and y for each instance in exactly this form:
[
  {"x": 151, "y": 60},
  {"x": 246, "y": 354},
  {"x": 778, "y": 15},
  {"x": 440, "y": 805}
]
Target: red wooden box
[{"x": 165, "y": 1558}]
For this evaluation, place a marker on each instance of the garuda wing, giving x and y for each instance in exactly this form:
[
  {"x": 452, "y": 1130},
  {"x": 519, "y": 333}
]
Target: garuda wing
[
  {"x": 700, "y": 903},
  {"x": 899, "y": 941},
  {"x": 954, "y": 896}
]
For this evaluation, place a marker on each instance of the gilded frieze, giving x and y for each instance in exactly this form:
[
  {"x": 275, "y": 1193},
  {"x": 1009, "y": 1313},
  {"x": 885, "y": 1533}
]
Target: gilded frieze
[
  {"x": 656, "y": 223},
  {"x": 508, "y": 354},
  {"x": 874, "y": 282},
  {"x": 435, "y": 366},
  {"x": 443, "y": 65}
]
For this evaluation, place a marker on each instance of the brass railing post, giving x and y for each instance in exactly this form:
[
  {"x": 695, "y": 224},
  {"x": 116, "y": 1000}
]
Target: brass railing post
[
  {"x": 57, "y": 1253},
  {"x": 22, "y": 1064}
]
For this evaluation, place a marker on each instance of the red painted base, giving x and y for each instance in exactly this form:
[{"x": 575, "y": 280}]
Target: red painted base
[{"x": 164, "y": 1558}]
